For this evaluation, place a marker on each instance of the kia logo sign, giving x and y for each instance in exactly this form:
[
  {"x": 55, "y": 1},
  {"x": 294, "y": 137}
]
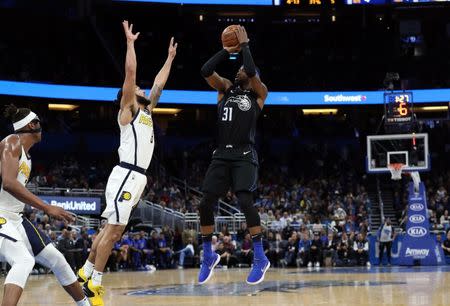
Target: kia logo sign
[
  {"x": 417, "y": 218},
  {"x": 417, "y": 206},
  {"x": 417, "y": 231}
]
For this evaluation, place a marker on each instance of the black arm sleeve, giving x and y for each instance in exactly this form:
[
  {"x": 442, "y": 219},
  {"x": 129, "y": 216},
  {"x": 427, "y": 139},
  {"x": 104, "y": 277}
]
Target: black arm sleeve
[
  {"x": 208, "y": 68},
  {"x": 249, "y": 64}
]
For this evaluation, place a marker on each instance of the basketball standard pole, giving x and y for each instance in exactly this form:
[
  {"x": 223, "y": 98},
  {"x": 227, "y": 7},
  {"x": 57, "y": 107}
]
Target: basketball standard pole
[{"x": 416, "y": 180}]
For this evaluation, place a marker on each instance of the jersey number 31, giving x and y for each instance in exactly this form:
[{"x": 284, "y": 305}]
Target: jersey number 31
[{"x": 227, "y": 114}]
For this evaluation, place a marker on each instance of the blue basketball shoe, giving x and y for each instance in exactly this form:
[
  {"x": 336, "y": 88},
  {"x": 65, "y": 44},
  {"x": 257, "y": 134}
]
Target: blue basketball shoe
[
  {"x": 259, "y": 269},
  {"x": 206, "y": 270}
]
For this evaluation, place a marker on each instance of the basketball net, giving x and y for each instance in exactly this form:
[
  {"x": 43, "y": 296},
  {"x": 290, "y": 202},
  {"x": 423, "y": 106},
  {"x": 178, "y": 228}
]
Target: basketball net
[
  {"x": 396, "y": 171},
  {"x": 396, "y": 174}
]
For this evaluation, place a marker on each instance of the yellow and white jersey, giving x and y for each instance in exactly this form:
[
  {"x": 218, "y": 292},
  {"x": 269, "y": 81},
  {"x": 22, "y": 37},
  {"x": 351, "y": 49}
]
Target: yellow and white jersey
[
  {"x": 137, "y": 140},
  {"x": 9, "y": 203}
]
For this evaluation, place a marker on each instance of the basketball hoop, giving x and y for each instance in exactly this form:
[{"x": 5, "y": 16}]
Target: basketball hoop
[{"x": 396, "y": 170}]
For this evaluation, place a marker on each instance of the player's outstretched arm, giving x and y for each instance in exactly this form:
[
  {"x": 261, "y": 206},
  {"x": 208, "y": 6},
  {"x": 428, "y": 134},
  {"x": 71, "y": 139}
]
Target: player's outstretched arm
[
  {"x": 10, "y": 168},
  {"x": 163, "y": 75},
  {"x": 250, "y": 68},
  {"x": 128, "y": 100},
  {"x": 213, "y": 78}
]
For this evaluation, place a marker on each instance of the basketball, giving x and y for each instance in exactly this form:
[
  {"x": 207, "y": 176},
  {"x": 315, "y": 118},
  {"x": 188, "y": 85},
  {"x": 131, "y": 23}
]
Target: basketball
[{"x": 229, "y": 38}]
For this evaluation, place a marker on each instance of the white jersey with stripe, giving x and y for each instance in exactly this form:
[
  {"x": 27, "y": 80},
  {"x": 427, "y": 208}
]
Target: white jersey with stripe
[
  {"x": 137, "y": 140},
  {"x": 8, "y": 202}
]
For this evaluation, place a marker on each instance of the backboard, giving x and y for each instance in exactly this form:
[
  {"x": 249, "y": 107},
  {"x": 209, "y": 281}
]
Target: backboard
[{"x": 408, "y": 149}]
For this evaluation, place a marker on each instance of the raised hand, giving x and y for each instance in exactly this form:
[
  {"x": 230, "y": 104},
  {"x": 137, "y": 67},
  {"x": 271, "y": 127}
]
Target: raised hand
[
  {"x": 129, "y": 31},
  {"x": 172, "y": 49},
  {"x": 241, "y": 34}
]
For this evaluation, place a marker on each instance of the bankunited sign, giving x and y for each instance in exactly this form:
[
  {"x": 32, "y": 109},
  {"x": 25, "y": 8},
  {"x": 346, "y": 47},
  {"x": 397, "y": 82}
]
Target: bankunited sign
[{"x": 77, "y": 205}]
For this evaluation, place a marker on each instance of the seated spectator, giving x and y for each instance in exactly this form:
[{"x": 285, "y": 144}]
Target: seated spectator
[
  {"x": 83, "y": 246},
  {"x": 339, "y": 214},
  {"x": 153, "y": 247},
  {"x": 165, "y": 252},
  {"x": 290, "y": 253},
  {"x": 227, "y": 258},
  {"x": 304, "y": 247},
  {"x": 434, "y": 223},
  {"x": 123, "y": 254},
  {"x": 446, "y": 245},
  {"x": 295, "y": 225},
  {"x": 445, "y": 219},
  {"x": 361, "y": 248},
  {"x": 214, "y": 243},
  {"x": 137, "y": 247},
  {"x": 188, "y": 250},
  {"x": 246, "y": 254},
  {"x": 277, "y": 249},
  {"x": 330, "y": 247},
  {"x": 344, "y": 252},
  {"x": 315, "y": 251},
  {"x": 66, "y": 247},
  {"x": 242, "y": 232},
  {"x": 285, "y": 220}
]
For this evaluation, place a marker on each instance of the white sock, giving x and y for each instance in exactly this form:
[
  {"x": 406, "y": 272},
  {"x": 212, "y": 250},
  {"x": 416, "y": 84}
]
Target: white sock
[
  {"x": 88, "y": 268},
  {"x": 83, "y": 302},
  {"x": 97, "y": 278}
]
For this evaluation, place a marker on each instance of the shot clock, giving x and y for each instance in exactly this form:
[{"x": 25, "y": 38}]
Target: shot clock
[{"x": 398, "y": 107}]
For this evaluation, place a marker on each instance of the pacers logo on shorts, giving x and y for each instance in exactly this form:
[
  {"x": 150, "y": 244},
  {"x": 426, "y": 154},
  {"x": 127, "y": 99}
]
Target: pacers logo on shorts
[
  {"x": 126, "y": 196},
  {"x": 2, "y": 221}
]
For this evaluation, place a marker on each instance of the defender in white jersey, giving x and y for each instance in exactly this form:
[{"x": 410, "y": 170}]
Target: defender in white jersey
[
  {"x": 21, "y": 243},
  {"x": 127, "y": 180}
]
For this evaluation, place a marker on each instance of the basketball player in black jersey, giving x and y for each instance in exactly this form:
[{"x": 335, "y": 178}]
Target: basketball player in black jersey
[{"x": 235, "y": 162}]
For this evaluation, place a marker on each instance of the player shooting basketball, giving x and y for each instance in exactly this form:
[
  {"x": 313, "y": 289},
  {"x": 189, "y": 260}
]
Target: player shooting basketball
[{"x": 235, "y": 161}]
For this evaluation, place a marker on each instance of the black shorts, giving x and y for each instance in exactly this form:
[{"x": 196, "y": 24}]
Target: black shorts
[
  {"x": 38, "y": 240},
  {"x": 232, "y": 168}
]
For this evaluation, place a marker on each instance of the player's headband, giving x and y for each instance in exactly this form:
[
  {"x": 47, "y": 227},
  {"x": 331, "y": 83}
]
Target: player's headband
[{"x": 25, "y": 121}]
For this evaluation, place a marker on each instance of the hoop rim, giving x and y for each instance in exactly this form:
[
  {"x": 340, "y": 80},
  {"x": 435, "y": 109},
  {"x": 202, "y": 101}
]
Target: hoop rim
[{"x": 396, "y": 166}]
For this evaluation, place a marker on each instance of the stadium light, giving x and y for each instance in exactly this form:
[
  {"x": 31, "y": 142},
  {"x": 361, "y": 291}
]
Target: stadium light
[
  {"x": 166, "y": 111},
  {"x": 431, "y": 109},
  {"x": 320, "y": 111},
  {"x": 62, "y": 107}
]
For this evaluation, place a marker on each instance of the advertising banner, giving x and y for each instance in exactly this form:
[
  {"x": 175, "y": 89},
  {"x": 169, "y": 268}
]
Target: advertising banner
[{"x": 76, "y": 205}]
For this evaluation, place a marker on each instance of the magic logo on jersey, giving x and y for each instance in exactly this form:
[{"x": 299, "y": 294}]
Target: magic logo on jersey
[
  {"x": 243, "y": 102},
  {"x": 146, "y": 120},
  {"x": 25, "y": 170}
]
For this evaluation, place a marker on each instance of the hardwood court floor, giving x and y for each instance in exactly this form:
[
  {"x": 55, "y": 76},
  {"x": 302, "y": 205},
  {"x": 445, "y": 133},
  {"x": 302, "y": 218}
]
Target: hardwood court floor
[{"x": 339, "y": 286}]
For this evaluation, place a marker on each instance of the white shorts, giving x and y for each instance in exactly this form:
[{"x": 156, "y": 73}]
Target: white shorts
[
  {"x": 9, "y": 226},
  {"x": 123, "y": 192},
  {"x": 20, "y": 241}
]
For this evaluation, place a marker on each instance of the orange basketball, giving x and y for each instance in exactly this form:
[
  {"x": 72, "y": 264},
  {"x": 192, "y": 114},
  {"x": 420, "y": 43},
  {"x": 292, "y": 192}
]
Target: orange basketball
[{"x": 229, "y": 38}]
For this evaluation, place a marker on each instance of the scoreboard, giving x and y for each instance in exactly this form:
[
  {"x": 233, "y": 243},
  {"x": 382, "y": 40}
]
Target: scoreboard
[{"x": 398, "y": 107}]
